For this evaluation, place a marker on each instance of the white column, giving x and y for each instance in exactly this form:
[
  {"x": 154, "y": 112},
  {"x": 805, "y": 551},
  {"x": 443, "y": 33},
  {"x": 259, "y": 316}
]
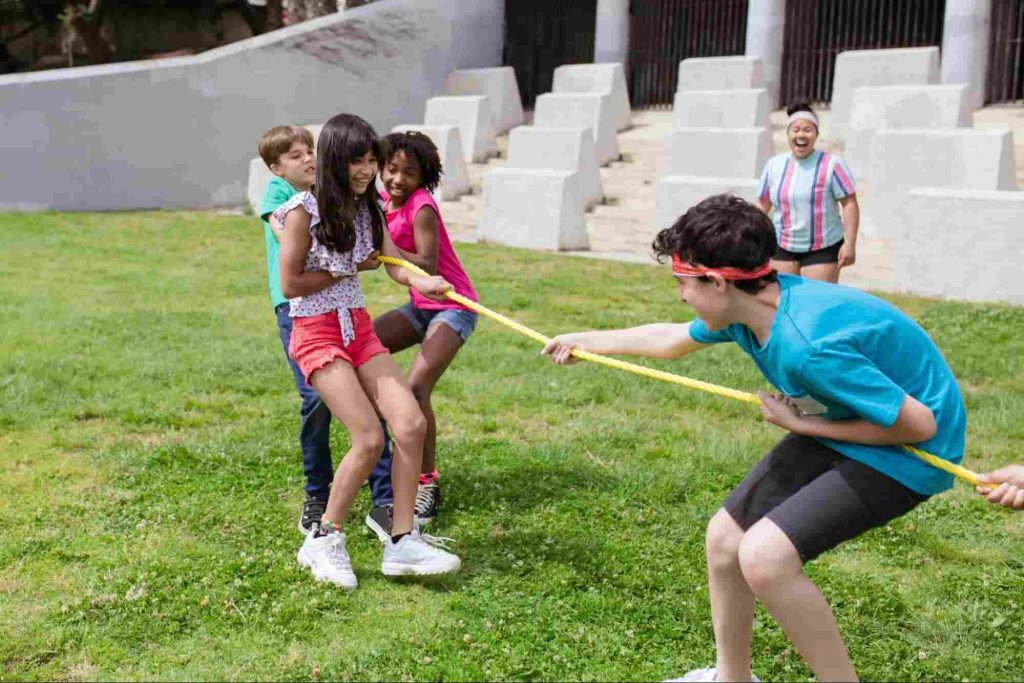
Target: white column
[
  {"x": 611, "y": 34},
  {"x": 965, "y": 46},
  {"x": 765, "y": 23}
]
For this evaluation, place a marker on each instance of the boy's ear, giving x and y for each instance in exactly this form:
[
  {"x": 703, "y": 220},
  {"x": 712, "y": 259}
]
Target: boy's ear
[
  {"x": 720, "y": 283},
  {"x": 275, "y": 168}
]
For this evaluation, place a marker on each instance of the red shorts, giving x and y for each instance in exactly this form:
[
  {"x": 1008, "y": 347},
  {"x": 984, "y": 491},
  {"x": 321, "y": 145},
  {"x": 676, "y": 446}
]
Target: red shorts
[{"x": 316, "y": 341}]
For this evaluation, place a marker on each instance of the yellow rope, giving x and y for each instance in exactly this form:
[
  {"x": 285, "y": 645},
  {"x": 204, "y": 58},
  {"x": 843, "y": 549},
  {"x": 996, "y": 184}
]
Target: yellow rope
[{"x": 954, "y": 469}]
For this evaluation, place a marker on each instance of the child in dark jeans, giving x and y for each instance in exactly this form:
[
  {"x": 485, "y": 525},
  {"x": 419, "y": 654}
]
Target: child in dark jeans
[{"x": 288, "y": 153}]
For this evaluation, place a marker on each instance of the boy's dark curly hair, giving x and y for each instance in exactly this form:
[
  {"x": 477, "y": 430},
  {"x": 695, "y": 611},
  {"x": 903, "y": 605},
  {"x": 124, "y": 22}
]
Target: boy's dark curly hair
[
  {"x": 419, "y": 148},
  {"x": 722, "y": 231}
]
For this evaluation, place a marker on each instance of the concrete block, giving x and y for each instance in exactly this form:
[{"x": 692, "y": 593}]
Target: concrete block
[
  {"x": 586, "y": 110},
  {"x": 561, "y": 149},
  {"x": 603, "y": 79},
  {"x": 961, "y": 244},
  {"x": 455, "y": 177},
  {"x": 718, "y": 152},
  {"x": 533, "y": 208},
  {"x": 720, "y": 73},
  {"x": 743, "y": 108},
  {"x": 901, "y": 106},
  {"x": 860, "y": 68},
  {"x": 499, "y": 85},
  {"x": 472, "y": 115},
  {"x": 955, "y": 159},
  {"x": 675, "y": 194}
]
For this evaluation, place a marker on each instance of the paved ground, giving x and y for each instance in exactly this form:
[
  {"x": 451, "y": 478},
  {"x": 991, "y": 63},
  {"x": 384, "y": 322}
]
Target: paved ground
[{"x": 623, "y": 226}]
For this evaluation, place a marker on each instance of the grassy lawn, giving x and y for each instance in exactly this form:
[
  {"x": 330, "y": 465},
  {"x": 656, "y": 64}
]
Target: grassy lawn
[{"x": 150, "y": 483}]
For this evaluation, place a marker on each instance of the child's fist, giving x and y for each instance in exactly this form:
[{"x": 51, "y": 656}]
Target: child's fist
[
  {"x": 432, "y": 286},
  {"x": 371, "y": 262},
  {"x": 560, "y": 350},
  {"x": 1010, "y": 490}
]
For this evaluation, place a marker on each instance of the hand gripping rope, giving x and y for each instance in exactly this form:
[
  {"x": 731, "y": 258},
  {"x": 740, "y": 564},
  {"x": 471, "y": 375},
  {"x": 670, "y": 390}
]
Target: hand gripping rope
[{"x": 944, "y": 465}]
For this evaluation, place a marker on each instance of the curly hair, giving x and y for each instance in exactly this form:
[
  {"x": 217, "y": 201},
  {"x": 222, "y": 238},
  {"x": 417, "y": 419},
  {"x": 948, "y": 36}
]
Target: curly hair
[
  {"x": 723, "y": 231},
  {"x": 419, "y": 148}
]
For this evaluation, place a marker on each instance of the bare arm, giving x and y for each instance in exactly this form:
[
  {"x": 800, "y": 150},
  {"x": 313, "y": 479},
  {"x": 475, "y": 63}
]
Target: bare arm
[
  {"x": 657, "y": 340},
  {"x": 424, "y": 230},
  {"x": 276, "y": 227},
  {"x": 914, "y": 423},
  {"x": 851, "y": 224},
  {"x": 433, "y": 286},
  {"x": 295, "y": 281}
]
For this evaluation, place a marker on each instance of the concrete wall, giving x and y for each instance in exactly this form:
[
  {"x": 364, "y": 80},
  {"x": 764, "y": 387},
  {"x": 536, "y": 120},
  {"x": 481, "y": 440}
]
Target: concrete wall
[{"x": 180, "y": 132}]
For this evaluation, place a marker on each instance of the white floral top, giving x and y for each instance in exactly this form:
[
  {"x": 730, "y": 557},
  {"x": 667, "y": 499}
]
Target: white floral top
[{"x": 344, "y": 294}]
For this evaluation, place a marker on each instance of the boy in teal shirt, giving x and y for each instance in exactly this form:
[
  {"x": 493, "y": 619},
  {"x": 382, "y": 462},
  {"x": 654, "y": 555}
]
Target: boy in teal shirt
[
  {"x": 855, "y": 379},
  {"x": 288, "y": 153}
]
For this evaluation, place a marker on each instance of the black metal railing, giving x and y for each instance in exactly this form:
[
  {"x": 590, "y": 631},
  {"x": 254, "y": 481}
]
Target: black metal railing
[
  {"x": 1004, "y": 81},
  {"x": 818, "y": 30},
  {"x": 665, "y": 32},
  {"x": 541, "y": 35}
]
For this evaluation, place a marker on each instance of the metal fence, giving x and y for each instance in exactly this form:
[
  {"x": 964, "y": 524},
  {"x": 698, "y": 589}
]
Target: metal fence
[
  {"x": 543, "y": 34},
  {"x": 818, "y": 30},
  {"x": 665, "y": 32},
  {"x": 1005, "y": 75}
]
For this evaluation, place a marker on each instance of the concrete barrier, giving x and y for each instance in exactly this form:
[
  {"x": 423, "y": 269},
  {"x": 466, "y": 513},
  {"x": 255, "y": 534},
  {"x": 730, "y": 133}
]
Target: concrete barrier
[
  {"x": 860, "y": 68},
  {"x": 901, "y": 106},
  {"x": 720, "y": 73},
  {"x": 455, "y": 176},
  {"x": 130, "y": 135},
  {"x": 560, "y": 149},
  {"x": 260, "y": 175},
  {"x": 675, "y": 194},
  {"x": 499, "y": 85},
  {"x": 533, "y": 208},
  {"x": 718, "y": 152},
  {"x": 744, "y": 108},
  {"x": 961, "y": 244},
  {"x": 587, "y": 110},
  {"x": 603, "y": 79},
  {"x": 955, "y": 159},
  {"x": 472, "y": 115}
]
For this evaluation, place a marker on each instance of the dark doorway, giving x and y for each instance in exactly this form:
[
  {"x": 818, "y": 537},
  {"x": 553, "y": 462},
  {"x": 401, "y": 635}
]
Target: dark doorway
[{"x": 1004, "y": 81}]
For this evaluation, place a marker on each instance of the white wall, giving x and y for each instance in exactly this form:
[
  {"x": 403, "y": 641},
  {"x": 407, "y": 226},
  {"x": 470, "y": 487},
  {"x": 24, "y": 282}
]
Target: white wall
[{"x": 180, "y": 132}]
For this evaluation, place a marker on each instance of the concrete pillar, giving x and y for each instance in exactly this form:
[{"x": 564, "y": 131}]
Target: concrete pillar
[
  {"x": 965, "y": 46},
  {"x": 765, "y": 24},
  {"x": 611, "y": 34}
]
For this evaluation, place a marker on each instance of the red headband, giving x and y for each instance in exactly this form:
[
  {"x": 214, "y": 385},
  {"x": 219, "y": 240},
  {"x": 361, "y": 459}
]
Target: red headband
[{"x": 681, "y": 268}]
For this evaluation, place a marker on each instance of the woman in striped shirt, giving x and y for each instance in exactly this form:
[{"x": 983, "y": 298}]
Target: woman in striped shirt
[{"x": 804, "y": 187}]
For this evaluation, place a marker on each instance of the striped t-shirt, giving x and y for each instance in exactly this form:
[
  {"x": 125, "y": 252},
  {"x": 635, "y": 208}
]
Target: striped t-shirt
[{"x": 803, "y": 194}]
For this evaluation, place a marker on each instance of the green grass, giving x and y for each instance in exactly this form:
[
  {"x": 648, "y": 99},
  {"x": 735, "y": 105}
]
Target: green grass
[{"x": 150, "y": 481}]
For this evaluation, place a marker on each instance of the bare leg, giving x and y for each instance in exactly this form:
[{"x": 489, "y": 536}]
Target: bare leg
[
  {"x": 384, "y": 383},
  {"x": 732, "y": 602},
  {"x": 436, "y": 354},
  {"x": 786, "y": 267},
  {"x": 395, "y": 331},
  {"x": 340, "y": 388},
  {"x": 827, "y": 272},
  {"x": 774, "y": 571}
]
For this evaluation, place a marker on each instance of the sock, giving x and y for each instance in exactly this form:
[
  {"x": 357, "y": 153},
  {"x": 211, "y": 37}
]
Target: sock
[
  {"x": 429, "y": 478},
  {"x": 399, "y": 537},
  {"x": 325, "y": 527}
]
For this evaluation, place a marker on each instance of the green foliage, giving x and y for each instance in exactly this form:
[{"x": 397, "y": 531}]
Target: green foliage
[{"x": 150, "y": 482}]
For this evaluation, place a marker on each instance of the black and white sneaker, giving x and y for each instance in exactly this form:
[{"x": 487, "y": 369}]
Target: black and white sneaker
[
  {"x": 378, "y": 520},
  {"x": 312, "y": 511},
  {"x": 428, "y": 500}
]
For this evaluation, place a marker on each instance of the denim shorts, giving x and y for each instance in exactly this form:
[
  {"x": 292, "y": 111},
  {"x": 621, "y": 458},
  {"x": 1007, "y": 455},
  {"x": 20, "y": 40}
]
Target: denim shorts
[{"x": 459, "y": 319}]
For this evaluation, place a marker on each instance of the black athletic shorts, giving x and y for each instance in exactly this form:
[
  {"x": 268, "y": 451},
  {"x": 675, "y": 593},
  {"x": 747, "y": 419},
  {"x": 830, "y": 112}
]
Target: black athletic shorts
[
  {"x": 810, "y": 258},
  {"x": 817, "y": 496}
]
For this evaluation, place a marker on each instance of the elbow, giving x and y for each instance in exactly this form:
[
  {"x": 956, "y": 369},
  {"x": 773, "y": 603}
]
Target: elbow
[
  {"x": 922, "y": 428},
  {"x": 288, "y": 288},
  {"x": 929, "y": 428}
]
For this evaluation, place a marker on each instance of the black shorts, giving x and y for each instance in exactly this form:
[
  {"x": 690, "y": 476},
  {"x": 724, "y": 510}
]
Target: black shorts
[
  {"x": 817, "y": 496},
  {"x": 810, "y": 258}
]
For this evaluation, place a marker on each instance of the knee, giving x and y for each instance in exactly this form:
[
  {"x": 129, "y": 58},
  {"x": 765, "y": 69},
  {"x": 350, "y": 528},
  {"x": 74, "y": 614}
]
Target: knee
[
  {"x": 421, "y": 390},
  {"x": 722, "y": 542},
  {"x": 767, "y": 561},
  {"x": 411, "y": 429},
  {"x": 368, "y": 444}
]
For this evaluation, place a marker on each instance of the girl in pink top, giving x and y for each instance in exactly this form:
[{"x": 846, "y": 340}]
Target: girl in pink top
[{"x": 410, "y": 172}]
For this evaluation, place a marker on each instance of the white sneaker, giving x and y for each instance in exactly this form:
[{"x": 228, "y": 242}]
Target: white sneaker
[
  {"x": 708, "y": 675},
  {"x": 704, "y": 676},
  {"x": 327, "y": 558},
  {"x": 418, "y": 555}
]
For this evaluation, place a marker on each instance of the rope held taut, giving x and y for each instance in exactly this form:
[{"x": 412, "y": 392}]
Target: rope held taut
[{"x": 956, "y": 470}]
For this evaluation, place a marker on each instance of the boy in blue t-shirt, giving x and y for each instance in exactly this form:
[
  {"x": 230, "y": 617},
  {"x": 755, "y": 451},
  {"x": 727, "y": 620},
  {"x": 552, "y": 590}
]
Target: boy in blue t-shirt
[
  {"x": 288, "y": 153},
  {"x": 855, "y": 378}
]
